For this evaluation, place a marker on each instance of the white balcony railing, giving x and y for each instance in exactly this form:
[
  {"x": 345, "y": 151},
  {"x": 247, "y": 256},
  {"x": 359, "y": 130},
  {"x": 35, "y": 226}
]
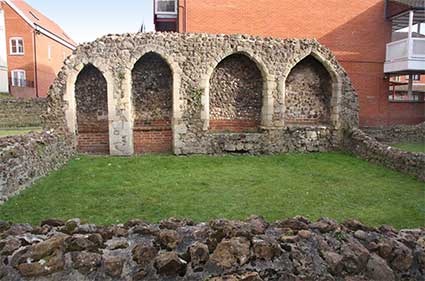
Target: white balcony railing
[
  {"x": 405, "y": 55},
  {"x": 405, "y": 49},
  {"x": 418, "y": 49}
]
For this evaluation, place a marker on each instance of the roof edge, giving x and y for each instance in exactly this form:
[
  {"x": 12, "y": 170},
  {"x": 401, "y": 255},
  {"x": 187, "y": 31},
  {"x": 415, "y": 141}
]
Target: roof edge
[
  {"x": 40, "y": 28},
  {"x": 411, "y": 3},
  {"x": 53, "y": 36},
  {"x": 19, "y": 12}
]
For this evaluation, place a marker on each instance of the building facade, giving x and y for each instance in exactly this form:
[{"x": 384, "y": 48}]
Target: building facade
[
  {"x": 358, "y": 33},
  {"x": 4, "y": 83},
  {"x": 399, "y": 88},
  {"x": 35, "y": 48}
]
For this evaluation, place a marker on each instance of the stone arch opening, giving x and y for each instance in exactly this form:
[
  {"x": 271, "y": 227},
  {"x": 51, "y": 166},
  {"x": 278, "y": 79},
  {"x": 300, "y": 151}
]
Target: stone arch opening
[
  {"x": 91, "y": 97},
  {"x": 309, "y": 93},
  {"x": 235, "y": 95},
  {"x": 152, "y": 95}
]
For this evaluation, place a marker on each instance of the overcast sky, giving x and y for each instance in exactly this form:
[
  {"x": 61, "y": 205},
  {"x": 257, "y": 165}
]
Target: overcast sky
[{"x": 86, "y": 20}]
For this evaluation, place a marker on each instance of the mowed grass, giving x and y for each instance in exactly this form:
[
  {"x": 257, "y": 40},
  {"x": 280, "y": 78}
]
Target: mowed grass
[
  {"x": 17, "y": 131},
  {"x": 112, "y": 190},
  {"x": 413, "y": 147}
]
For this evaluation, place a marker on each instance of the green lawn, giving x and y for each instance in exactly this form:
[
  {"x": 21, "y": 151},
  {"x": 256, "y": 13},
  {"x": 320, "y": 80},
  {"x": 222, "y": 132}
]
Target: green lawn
[
  {"x": 14, "y": 132},
  {"x": 5, "y": 96},
  {"x": 413, "y": 147},
  {"x": 112, "y": 190}
]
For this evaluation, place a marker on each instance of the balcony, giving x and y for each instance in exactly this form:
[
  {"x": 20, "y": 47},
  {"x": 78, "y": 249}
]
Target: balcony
[{"x": 406, "y": 55}]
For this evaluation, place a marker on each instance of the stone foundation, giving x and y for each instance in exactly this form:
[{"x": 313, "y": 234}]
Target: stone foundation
[
  {"x": 251, "y": 250},
  {"x": 258, "y": 93},
  {"x": 289, "y": 139},
  {"x": 25, "y": 158}
]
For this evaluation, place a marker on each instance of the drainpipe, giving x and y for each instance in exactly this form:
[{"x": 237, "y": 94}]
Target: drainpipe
[
  {"x": 185, "y": 16},
  {"x": 386, "y": 9},
  {"x": 410, "y": 87},
  {"x": 178, "y": 16},
  {"x": 410, "y": 52},
  {"x": 410, "y": 43},
  {"x": 35, "y": 65}
]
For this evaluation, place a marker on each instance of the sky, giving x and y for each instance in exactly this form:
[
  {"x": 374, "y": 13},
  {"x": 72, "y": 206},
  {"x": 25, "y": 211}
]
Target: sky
[{"x": 86, "y": 20}]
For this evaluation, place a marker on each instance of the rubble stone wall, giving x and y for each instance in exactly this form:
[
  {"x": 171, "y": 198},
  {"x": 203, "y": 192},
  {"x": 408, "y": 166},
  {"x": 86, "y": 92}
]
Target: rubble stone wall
[
  {"x": 16, "y": 113},
  {"x": 25, "y": 158},
  {"x": 368, "y": 148},
  {"x": 398, "y": 134},
  {"x": 215, "y": 94},
  {"x": 252, "y": 250}
]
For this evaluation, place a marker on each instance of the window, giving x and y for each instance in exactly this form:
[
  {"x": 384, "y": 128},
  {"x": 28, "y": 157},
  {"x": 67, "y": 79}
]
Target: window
[
  {"x": 19, "y": 78},
  {"x": 415, "y": 77},
  {"x": 49, "y": 52},
  {"x": 16, "y": 46},
  {"x": 166, "y": 7}
]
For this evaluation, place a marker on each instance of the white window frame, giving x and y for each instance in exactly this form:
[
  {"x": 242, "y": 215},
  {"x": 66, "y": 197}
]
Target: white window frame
[
  {"x": 166, "y": 13},
  {"x": 17, "y": 53},
  {"x": 15, "y": 77},
  {"x": 415, "y": 77}
]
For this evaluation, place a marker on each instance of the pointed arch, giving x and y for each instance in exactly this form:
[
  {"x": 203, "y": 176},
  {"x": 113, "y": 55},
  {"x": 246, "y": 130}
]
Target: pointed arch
[
  {"x": 322, "y": 105},
  {"x": 177, "y": 102},
  {"x": 152, "y": 99},
  {"x": 175, "y": 70},
  {"x": 265, "y": 98},
  {"x": 90, "y": 94}
]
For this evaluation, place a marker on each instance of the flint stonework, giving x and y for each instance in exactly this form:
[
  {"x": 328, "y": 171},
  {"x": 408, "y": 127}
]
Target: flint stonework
[
  {"x": 290, "y": 249},
  {"x": 211, "y": 94}
]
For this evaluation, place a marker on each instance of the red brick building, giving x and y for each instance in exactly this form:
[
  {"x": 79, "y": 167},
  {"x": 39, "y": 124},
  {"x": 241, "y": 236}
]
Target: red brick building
[
  {"x": 356, "y": 31},
  {"x": 35, "y": 49}
]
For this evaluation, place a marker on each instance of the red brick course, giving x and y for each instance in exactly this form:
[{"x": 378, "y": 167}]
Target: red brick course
[
  {"x": 93, "y": 143},
  {"x": 235, "y": 126},
  {"x": 93, "y": 137},
  {"x": 153, "y": 137}
]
